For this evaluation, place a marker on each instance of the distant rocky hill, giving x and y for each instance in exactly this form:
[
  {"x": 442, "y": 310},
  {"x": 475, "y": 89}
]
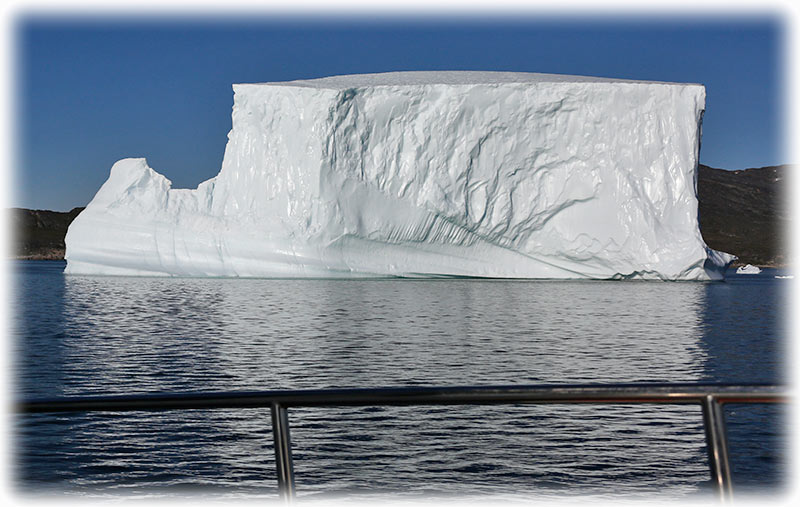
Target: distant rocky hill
[
  {"x": 39, "y": 234},
  {"x": 746, "y": 213},
  {"x": 741, "y": 212}
]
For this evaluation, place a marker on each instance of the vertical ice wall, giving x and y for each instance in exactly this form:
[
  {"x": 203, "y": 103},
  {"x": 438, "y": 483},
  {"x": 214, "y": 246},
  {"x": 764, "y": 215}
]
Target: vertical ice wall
[{"x": 424, "y": 174}]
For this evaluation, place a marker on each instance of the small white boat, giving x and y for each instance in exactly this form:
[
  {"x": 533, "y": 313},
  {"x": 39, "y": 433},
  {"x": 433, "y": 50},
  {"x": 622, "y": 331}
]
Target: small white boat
[{"x": 748, "y": 270}]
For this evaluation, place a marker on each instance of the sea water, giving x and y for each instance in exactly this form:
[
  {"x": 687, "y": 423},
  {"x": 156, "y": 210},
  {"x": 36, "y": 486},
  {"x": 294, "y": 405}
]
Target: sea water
[{"x": 83, "y": 335}]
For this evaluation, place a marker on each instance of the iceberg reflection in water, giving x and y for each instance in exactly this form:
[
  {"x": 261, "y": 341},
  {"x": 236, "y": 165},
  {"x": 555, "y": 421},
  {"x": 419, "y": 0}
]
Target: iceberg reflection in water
[{"x": 129, "y": 335}]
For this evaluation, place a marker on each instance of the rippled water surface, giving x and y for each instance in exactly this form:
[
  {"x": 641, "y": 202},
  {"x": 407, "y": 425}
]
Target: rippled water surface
[{"x": 105, "y": 335}]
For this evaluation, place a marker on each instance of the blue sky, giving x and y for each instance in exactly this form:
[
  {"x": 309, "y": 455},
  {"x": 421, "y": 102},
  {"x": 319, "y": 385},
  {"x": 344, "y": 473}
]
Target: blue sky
[{"x": 90, "y": 92}]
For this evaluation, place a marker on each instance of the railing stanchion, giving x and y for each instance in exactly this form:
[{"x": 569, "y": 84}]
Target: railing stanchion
[
  {"x": 717, "y": 445},
  {"x": 283, "y": 452}
]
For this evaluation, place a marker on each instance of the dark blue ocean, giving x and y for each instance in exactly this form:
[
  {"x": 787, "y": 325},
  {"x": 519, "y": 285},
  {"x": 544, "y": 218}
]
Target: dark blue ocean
[{"x": 78, "y": 335}]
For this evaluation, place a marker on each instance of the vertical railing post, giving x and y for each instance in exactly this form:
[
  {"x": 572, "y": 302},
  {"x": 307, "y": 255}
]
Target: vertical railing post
[
  {"x": 283, "y": 452},
  {"x": 717, "y": 445}
]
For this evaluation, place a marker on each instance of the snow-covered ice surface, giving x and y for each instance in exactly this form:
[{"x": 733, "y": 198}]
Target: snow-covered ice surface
[{"x": 489, "y": 174}]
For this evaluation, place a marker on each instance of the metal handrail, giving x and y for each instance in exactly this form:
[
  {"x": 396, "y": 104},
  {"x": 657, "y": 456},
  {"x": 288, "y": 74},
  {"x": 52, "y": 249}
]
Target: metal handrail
[{"x": 710, "y": 397}]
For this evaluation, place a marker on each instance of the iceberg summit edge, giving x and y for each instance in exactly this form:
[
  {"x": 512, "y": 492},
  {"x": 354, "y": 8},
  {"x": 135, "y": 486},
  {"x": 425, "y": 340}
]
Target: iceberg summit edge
[{"x": 423, "y": 174}]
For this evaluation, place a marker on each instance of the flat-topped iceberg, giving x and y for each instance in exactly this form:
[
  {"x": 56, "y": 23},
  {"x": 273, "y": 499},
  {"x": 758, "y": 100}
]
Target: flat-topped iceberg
[{"x": 489, "y": 174}]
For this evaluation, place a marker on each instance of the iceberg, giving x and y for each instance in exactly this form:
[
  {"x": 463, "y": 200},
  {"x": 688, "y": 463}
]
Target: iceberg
[
  {"x": 423, "y": 174},
  {"x": 748, "y": 270}
]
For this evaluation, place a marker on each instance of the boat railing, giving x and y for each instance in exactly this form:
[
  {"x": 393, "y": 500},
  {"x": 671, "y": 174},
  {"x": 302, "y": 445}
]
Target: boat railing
[{"x": 711, "y": 397}]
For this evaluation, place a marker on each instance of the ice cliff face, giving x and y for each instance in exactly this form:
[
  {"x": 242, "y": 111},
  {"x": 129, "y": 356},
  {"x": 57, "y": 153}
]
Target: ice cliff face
[{"x": 423, "y": 174}]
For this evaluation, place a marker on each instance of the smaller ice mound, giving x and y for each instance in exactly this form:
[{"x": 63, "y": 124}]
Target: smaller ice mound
[
  {"x": 424, "y": 174},
  {"x": 749, "y": 269}
]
